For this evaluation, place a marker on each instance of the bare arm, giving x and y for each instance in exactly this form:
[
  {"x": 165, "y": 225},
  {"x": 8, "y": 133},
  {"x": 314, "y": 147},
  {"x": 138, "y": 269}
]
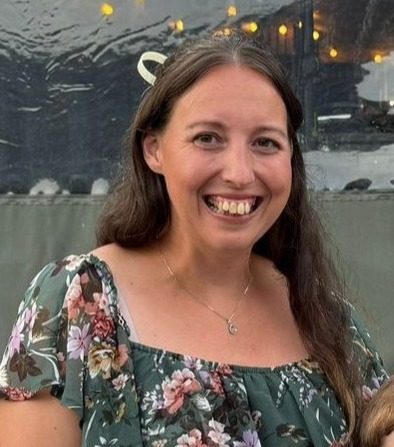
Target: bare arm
[{"x": 41, "y": 421}]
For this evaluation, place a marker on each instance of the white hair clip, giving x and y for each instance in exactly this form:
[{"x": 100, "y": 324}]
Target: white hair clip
[{"x": 149, "y": 56}]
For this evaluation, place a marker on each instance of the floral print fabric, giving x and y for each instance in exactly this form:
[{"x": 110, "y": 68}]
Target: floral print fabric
[{"x": 71, "y": 336}]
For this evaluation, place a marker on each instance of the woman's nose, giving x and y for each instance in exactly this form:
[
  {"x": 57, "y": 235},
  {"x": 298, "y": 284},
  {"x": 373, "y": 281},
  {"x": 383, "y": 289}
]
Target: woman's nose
[{"x": 238, "y": 167}]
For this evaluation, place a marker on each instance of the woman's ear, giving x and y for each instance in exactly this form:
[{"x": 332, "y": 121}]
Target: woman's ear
[{"x": 152, "y": 152}]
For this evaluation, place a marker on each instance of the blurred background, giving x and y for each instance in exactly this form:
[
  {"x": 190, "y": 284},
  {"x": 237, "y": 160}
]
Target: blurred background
[{"x": 69, "y": 87}]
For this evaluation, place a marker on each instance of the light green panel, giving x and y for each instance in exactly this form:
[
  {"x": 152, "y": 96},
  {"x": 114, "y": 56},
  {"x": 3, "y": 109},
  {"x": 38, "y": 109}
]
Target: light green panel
[{"x": 36, "y": 230}]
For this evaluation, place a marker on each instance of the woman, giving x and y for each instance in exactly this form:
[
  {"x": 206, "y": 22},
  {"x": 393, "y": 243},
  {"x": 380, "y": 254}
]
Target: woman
[{"x": 210, "y": 314}]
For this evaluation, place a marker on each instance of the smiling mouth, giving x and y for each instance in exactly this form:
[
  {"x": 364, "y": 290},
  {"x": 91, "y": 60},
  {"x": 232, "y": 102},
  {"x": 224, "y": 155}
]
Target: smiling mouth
[{"x": 228, "y": 207}]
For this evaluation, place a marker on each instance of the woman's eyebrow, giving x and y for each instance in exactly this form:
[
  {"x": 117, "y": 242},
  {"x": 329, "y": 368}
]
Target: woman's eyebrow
[
  {"x": 273, "y": 129},
  {"x": 218, "y": 125},
  {"x": 206, "y": 123}
]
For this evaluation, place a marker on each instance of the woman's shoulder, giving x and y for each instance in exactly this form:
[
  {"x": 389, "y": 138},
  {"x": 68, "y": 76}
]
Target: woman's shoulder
[
  {"x": 68, "y": 302},
  {"x": 56, "y": 277}
]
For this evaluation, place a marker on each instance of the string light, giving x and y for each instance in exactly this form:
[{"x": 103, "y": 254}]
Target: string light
[
  {"x": 222, "y": 32},
  {"x": 107, "y": 9},
  {"x": 250, "y": 27},
  {"x": 178, "y": 25},
  {"x": 299, "y": 24},
  {"x": 333, "y": 53},
  {"x": 282, "y": 30},
  {"x": 232, "y": 11},
  {"x": 378, "y": 58},
  {"x": 316, "y": 35}
]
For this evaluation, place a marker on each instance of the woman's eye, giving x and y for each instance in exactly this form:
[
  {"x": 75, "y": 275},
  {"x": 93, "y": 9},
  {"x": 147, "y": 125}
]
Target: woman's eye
[
  {"x": 206, "y": 140},
  {"x": 266, "y": 144}
]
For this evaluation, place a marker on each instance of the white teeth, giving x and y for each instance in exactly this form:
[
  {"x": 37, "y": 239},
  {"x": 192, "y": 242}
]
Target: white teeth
[
  {"x": 230, "y": 207},
  {"x": 233, "y": 208}
]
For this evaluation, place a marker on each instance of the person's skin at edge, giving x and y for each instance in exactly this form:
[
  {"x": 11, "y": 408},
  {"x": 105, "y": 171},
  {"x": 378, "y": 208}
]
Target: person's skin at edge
[
  {"x": 252, "y": 157},
  {"x": 39, "y": 422},
  {"x": 388, "y": 441}
]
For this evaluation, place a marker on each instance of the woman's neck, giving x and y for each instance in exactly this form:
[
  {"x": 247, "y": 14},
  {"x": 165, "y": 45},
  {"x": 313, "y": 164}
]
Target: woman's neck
[{"x": 211, "y": 273}]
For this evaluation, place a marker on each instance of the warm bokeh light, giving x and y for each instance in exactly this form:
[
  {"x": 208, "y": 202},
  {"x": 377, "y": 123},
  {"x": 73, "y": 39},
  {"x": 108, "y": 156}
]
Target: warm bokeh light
[
  {"x": 333, "y": 53},
  {"x": 282, "y": 30},
  {"x": 176, "y": 26},
  {"x": 378, "y": 58},
  {"x": 107, "y": 9},
  {"x": 316, "y": 35},
  {"x": 179, "y": 25},
  {"x": 232, "y": 11},
  {"x": 253, "y": 27},
  {"x": 222, "y": 32},
  {"x": 250, "y": 27},
  {"x": 299, "y": 24}
]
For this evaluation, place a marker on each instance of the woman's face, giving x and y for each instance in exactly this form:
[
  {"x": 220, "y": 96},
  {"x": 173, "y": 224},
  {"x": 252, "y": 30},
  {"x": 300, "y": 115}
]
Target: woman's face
[{"x": 226, "y": 159}]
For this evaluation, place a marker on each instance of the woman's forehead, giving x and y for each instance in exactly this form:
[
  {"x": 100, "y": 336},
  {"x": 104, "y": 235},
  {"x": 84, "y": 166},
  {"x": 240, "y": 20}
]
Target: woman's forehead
[{"x": 232, "y": 98}]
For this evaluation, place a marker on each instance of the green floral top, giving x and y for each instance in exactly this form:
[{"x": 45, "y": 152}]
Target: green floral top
[{"x": 71, "y": 336}]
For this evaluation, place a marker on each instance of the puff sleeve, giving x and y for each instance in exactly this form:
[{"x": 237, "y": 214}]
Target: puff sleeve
[{"x": 69, "y": 336}]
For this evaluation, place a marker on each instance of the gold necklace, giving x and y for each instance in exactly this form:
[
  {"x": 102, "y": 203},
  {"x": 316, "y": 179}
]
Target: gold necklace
[{"x": 232, "y": 328}]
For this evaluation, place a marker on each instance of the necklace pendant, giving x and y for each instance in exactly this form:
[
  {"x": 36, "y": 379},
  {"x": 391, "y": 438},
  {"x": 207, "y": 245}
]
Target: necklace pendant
[{"x": 232, "y": 328}]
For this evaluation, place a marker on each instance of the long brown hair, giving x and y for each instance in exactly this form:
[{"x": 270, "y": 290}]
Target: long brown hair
[{"x": 138, "y": 209}]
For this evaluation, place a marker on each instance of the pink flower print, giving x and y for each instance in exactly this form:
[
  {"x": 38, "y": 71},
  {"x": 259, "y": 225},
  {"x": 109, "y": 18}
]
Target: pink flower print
[
  {"x": 225, "y": 370},
  {"x": 192, "y": 439},
  {"x": 17, "y": 337},
  {"x": 182, "y": 383},
  {"x": 121, "y": 355},
  {"x": 72, "y": 262},
  {"x": 216, "y": 380},
  {"x": 103, "y": 325},
  {"x": 217, "y": 434},
  {"x": 120, "y": 381},
  {"x": 78, "y": 341},
  {"x": 216, "y": 383},
  {"x": 74, "y": 299},
  {"x": 17, "y": 394}
]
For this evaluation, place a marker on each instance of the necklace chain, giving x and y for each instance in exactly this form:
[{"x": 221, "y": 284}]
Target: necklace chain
[{"x": 232, "y": 328}]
